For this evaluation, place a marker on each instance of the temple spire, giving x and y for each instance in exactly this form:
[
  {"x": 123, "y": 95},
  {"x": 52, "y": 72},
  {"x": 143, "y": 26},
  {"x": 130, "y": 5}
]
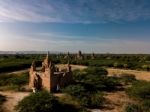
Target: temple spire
[
  {"x": 69, "y": 66},
  {"x": 33, "y": 66},
  {"x": 47, "y": 56}
]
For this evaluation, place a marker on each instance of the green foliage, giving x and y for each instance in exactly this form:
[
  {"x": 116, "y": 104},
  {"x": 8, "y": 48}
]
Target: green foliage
[
  {"x": 130, "y": 61},
  {"x": 140, "y": 90},
  {"x": 101, "y": 83},
  {"x": 133, "y": 108},
  {"x": 75, "y": 90},
  {"x": 13, "y": 79},
  {"x": 146, "y": 67},
  {"x": 146, "y": 105},
  {"x": 78, "y": 75},
  {"x": 95, "y": 79},
  {"x": 85, "y": 97},
  {"x": 96, "y": 71},
  {"x": 143, "y": 106},
  {"x": 38, "y": 102},
  {"x": 97, "y": 100},
  {"x": 127, "y": 78},
  {"x": 45, "y": 102}
]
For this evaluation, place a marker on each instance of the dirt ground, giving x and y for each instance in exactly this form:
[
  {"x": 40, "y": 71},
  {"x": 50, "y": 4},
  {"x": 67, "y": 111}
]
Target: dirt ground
[
  {"x": 12, "y": 99},
  {"x": 140, "y": 75}
]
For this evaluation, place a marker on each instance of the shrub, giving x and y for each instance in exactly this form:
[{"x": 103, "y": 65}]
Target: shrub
[
  {"x": 146, "y": 67},
  {"x": 127, "y": 78},
  {"x": 102, "y": 83},
  {"x": 139, "y": 90},
  {"x": 97, "y": 100},
  {"x": 75, "y": 90},
  {"x": 78, "y": 75},
  {"x": 45, "y": 102},
  {"x": 133, "y": 108},
  {"x": 96, "y": 71},
  {"x": 84, "y": 97},
  {"x": 146, "y": 105},
  {"x": 38, "y": 102},
  {"x": 13, "y": 79},
  {"x": 91, "y": 100}
]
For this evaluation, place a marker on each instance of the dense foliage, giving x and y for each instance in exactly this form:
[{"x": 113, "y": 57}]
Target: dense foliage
[
  {"x": 14, "y": 81},
  {"x": 45, "y": 102},
  {"x": 90, "y": 83},
  {"x": 85, "y": 97},
  {"x": 38, "y": 102},
  {"x": 126, "y": 61},
  {"x": 140, "y": 91}
]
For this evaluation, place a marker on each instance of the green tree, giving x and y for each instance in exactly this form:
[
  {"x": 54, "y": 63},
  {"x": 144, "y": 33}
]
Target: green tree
[{"x": 38, "y": 102}]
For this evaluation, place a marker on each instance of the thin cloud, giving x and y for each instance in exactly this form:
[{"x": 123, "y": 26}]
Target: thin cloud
[{"x": 74, "y": 11}]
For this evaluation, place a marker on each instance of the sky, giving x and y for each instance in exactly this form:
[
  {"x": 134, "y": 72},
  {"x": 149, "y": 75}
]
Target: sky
[{"x": 100, "y": 26}]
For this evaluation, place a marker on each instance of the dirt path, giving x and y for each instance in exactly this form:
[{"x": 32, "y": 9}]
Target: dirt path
[
  {"x": 115, "y": 101},
  {"x": 12, "y": 99},
  {"x": 140, "y": 75}
]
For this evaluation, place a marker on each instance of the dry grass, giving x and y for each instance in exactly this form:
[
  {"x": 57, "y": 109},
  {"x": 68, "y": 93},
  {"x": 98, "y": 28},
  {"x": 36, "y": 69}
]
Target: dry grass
[
  {"x": 12, "y": 99},
  {"x": 140, "y": 75}
]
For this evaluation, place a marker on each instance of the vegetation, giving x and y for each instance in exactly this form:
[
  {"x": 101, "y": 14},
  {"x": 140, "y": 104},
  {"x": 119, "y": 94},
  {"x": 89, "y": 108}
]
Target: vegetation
[
  {"x": 90, "y": 83},
  {"x": 45, "y": 102},
  {"x": 89, "y": 86},
  {"x": 126, "y": 61},
  {"x": 133, "y": 108},
  {"x": 13, "y": 81},
  {"x": 127, "y": 78},
  {"x": 140, "y": 91}
]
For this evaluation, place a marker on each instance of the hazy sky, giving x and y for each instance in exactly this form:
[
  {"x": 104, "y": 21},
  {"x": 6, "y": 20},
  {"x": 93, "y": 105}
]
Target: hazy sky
[{"x": 114, "y": 26}]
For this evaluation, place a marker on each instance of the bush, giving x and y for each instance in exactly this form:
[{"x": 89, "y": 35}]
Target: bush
[
  {"x": 97, "y": 100},
  {"x": 75, "y": 90},
  {"x": 13, "y": 79},
  {"x": 78, "y": 75},
  {"x": 133, "y": 108},
  {"x": 146, "y": 67},
  {"x": 146, "y": 105},
  {"x": 102, "y": 83},
  {"x": 85, "y": 97},
  {"x": 91, "y": 100},
  {"x": 38, "y": 102},
  {"x": 127, "y": 78},
  {"x": 139, "y": 90},
  {"x": 96, "y": 71},
  {"x": 45, "y": 102}
]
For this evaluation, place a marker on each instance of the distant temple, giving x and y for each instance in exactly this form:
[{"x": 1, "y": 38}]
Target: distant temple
[
  {"x": 50, "y": 78},
  {"x": 79, "y": 56},
  {"x": 92, "y": 56}
]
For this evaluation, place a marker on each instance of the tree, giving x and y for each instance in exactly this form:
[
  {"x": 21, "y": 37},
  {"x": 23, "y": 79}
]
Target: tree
[
  {"x": 38, "y": 102},
  {"x": 96, "y": 71}
]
